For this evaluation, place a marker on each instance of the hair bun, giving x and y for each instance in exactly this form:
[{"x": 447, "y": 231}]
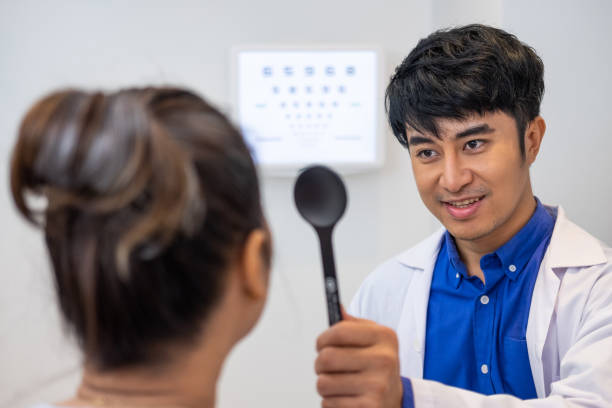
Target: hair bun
[{"x": 101, "y": 154}]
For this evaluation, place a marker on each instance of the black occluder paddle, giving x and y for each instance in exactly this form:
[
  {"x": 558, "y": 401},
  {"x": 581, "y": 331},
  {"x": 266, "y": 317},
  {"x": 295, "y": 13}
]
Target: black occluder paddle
[{"x": 320, "y": 197}]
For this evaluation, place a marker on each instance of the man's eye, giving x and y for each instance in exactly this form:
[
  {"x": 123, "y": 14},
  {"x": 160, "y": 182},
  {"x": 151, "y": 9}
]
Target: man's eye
[
  {"x": 426, "y": 154},
  {"x": 474, "y": 144}
]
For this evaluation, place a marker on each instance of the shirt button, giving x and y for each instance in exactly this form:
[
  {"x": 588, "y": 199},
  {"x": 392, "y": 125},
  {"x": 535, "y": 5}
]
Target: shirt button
[
  {"x": 512, "y": 268},
  {"x": 484, "y": 299},
  {"x": 457, "y": 275},
  {"x": 484, "y": 369}
]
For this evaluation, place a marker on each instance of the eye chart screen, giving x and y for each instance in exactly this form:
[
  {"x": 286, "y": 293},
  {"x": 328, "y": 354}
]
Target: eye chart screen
[{"x": 297, "y": 107}]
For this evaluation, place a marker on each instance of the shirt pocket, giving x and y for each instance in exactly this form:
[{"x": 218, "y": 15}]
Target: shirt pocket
[{"x": 515, "y": 369}]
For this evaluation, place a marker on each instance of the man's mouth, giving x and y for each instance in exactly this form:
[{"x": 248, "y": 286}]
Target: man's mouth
[{"x": 463, "y": 203}]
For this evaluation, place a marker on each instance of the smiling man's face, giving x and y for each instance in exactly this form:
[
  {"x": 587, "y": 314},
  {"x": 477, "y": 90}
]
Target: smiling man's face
[{"x": 474, "y": 178}]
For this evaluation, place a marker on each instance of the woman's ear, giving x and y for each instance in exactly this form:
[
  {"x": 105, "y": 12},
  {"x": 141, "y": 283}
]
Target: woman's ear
[
  {"x": 533, "y": 138},
  {"x": 254, "y": 267}
]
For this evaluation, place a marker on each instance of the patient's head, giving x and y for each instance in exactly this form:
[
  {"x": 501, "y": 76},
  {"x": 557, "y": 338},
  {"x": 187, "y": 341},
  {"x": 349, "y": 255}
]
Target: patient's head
[{"x": 152, "y": 217}]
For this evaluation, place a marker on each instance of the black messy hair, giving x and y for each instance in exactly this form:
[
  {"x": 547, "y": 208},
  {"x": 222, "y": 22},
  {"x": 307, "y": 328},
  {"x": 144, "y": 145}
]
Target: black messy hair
[{"x": 457, "y": 72}]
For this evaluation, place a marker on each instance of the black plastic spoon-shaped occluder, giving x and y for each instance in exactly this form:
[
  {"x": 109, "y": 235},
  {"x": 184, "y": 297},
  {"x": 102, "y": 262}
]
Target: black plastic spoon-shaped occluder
[{"x": 320, "y": 197}]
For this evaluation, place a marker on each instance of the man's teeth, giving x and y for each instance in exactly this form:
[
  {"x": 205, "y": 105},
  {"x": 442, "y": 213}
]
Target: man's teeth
[{"x": 464, "y": 203}]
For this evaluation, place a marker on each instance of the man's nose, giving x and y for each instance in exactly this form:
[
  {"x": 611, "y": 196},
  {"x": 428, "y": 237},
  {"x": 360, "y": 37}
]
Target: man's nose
[{"x": 455, "y": 175}]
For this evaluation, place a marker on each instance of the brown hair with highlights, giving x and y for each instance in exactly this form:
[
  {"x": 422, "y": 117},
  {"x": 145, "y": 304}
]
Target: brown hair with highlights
[{"x": 150, "y": 193}]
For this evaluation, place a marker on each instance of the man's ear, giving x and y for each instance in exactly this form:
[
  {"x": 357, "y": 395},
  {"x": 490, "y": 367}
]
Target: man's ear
[
  {"x": 253, "y": 268},
  {"x": 533, "y": 138}
]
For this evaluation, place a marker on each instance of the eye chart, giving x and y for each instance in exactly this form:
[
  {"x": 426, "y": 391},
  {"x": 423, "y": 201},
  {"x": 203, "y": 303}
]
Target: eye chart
[{"x": 301, "y": 106}]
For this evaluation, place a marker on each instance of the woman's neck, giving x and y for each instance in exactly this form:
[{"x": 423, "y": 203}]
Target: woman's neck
[
  {"x": 188, "y": 377},
  {"x": 188, "y": 381}
]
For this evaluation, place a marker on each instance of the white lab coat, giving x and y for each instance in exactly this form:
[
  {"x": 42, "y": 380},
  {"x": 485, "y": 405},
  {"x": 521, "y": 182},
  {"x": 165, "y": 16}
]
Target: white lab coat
[{"x": 569, "y": 333}]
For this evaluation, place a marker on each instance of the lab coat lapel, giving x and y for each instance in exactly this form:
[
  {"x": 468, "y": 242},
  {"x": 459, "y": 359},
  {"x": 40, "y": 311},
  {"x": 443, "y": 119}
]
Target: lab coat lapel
[
  {"x": 570, "y": 246},
  {"x": 540, "y": 314},
  {"x": 411, "y": 328}
]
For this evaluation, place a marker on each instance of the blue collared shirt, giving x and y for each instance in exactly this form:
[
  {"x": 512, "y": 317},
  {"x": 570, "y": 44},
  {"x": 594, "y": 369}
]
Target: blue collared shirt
[{"x": 475, "y": 337}]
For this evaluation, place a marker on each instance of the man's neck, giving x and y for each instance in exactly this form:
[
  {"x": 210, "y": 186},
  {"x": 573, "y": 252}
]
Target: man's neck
[{"x": 471, "y": 251}]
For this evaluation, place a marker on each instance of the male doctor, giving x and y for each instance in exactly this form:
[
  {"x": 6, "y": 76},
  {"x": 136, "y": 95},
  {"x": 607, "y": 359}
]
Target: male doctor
[{"x": 510, "y": 305}]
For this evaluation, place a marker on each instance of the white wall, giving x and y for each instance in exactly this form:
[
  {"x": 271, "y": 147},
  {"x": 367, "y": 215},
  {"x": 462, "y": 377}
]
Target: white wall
[
  {"x": 44, "y": 45},
  {"x": 574, "y": 40}
]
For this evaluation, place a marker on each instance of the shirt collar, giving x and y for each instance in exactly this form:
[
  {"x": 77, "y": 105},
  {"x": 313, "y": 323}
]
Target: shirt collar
[
  {"x": 458, "y": 269},
  {"x": 515, "y": 253},
  {"x": 453, "y": 253},
  {"x": 571, "y": 246}
]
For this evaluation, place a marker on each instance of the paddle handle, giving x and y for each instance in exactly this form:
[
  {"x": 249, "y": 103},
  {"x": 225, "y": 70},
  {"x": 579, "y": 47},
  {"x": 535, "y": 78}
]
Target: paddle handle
[{"x": 329, "y": 275}]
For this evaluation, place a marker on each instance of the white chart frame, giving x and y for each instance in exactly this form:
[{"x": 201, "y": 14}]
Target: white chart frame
[{"x": 290, "y": 170}]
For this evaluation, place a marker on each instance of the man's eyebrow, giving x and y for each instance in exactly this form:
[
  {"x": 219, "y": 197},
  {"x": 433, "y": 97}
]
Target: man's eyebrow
[
  {"x": 417, "y": 140},
  {"x": 475, "y": 130}
]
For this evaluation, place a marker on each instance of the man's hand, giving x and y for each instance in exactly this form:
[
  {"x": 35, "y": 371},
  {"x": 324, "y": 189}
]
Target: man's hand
[{"x": 358, "y": 365}]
